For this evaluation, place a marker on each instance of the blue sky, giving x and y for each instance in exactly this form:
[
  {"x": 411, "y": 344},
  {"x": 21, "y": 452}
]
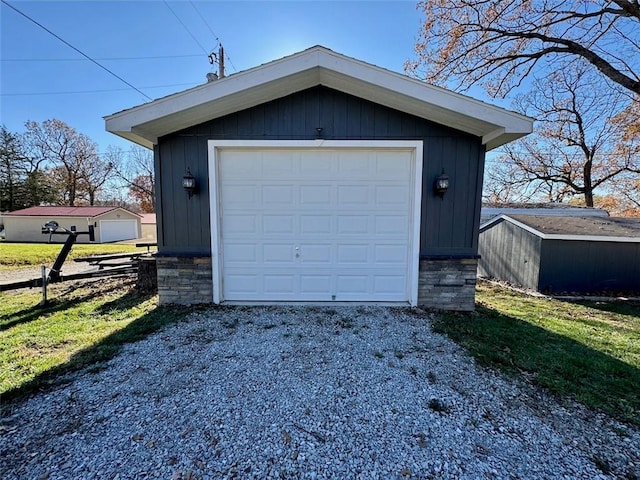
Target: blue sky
[{"x": 144, "y": 43}]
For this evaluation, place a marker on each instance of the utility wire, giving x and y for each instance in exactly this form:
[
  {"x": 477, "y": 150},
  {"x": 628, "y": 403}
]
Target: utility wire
[
  {"x": 205, "y": 22},
  {"x": 212, "y": 33},
  {"x": 74, "y": 48},
  {"x": 159, "y": 57},
  {"x": 92, "y": 91},
  {"x": 185, "y": 27}
]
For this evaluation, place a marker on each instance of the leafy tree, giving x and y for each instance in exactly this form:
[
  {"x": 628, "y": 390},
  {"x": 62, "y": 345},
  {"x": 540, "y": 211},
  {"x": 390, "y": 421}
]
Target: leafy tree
[
  {"x": 12, "y": 171},
  {"x": 22, "y": 183},
  {"x": 497, "y": 43}
]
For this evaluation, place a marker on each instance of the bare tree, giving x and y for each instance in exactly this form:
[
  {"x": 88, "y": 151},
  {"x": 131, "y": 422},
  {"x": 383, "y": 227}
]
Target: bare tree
[
  {"x": 497, "y": 43},
  {"x": 134, "y": 168},
  {"x": 579, "y": 145},
  {"x": 66, "y": 152},
  {"x": 93, "y": 177}
]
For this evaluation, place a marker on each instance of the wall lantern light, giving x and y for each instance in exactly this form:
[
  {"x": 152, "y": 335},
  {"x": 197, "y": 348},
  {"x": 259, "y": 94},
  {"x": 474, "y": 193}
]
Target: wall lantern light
[
  {"x": 441, "y": 184},
  {"x": 189, "y": 183}
]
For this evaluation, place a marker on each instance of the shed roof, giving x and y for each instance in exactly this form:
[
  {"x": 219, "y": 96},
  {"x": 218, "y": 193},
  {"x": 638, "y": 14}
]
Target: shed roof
[
  {"x": 318, "y": 65},
  {"x": 53, "y": 211},
  {"x": 554, "y": 227}
]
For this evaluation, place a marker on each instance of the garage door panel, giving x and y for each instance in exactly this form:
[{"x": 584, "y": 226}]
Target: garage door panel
[
  {"x": 283, "y": 283},
  {"x": 279, "y": 164},
  {"x": 390, "y": 254},
  {"x": 278, "y": 253},
  {"x": 353, "y": 224},
  {"x": 245, "y": 195},
  {"x": 314, "y": 164},
  {"x": 387, "y": 166},
  {"x": 392, "y": 195},
  {"x": 318, "y": 254},
  {"x": 396, "y": 225},
  {"x": 239, "y": 283},
  {"x": 389, "y": 284},
  {"x": 354, "y": 166},
  {"x": 234, "y": 224},
  {"x": 315, "y": 194},
  {"x": 280, "y": 195},
  {"x": 316, "y": 284},
  {"x": 315, "y": 225},
  {"x": 245, "y": 166},
  {"x": 243, "y": 253},
  {"x": 280, "y": 224},
  {"x": 357, "y": 195},
  {"x": 355, "y": 253},
  {"x": 353, "y": 284}
]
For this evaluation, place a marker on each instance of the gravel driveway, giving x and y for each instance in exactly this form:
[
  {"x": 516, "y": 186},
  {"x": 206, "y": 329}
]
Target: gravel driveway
[{"x": 306, "y": 392}]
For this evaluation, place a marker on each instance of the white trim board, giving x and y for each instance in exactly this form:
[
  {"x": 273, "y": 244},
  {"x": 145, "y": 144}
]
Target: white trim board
[
  {"x": 146, "y": 123},
  {"x": 559, "y": 236},
  {"x": 216, "y": 147}
]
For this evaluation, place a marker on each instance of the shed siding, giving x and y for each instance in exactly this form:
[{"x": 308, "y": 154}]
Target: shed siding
[
  {"x": 447, "y": 226},
  {"x": 589, "y": 267},
  {"x": 510, "y": 253}
]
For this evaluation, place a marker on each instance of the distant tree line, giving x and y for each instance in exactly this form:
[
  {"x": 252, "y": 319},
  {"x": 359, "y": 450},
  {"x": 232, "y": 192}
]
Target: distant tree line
[{"x": 51, "y": 163}]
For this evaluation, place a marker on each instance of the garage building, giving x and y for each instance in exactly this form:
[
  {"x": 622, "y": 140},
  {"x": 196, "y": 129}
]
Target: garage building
[
  {"x": 311, "y": 179},
  {"x": 111, "y": 224}
]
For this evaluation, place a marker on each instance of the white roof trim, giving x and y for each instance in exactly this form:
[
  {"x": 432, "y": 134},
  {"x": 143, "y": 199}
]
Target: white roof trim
[
  {"x": 559, "y": 236},
  {"x": 144, "y": 124}
]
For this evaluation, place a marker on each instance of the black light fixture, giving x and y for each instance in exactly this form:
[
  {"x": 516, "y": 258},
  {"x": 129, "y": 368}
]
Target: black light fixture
[
  {"x": 189, "y": 183},
  {"x": 441, "y": 184}
]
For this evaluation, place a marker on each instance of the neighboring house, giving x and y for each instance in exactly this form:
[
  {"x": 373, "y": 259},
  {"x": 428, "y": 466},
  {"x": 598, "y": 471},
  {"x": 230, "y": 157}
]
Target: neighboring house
[
  {"x": 149, "y": 227},
  {"x": 111, "y": 224},
  {"x": 491, "y": 211},
  {"x": 554, "y": 254},
  {"x": 315, "y": 183}
]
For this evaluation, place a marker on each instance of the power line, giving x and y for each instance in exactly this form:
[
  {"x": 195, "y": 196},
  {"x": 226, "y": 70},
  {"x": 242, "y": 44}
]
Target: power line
[
  {"x": 91, "y": 91},
  {"x": 159, "y": 57},
  {"x": 74, "y": 48},
  {"x": 212, "y": 33},
  {"x": 205, "y": 22},
  {"x": 185, "y": 27}
]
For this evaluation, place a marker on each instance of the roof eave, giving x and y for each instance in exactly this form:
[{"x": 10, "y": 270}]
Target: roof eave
[{"x": 317, "y": 66}]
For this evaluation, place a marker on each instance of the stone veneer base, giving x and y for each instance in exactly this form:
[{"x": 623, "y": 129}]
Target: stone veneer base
[
  {"x": 448, "y": 283},
  {"x": 444, "y": 284},
  {"x": 184, "y": 280}
]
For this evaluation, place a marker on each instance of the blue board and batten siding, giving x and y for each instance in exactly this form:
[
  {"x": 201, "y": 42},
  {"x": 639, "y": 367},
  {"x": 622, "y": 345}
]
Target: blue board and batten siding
[
  {"x": 512, "y": 254},
  {"x": 583, "y": 266},
  {"x": 448, "y": 225}
]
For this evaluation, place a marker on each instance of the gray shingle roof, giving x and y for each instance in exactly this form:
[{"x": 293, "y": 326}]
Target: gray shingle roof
[{"x": 587, "y": 226}]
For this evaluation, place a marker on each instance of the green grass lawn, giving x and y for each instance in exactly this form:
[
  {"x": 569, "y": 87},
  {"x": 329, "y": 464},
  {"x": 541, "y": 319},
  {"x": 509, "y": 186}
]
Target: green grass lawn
[
  {"x": 20, "y": 255},
  {"x": 588, "y": 351},
  {"x": 84, "y": 324}
]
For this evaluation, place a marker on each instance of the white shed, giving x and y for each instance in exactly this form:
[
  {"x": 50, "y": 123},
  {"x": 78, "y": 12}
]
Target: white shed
[{"x": 111, "y": 224}]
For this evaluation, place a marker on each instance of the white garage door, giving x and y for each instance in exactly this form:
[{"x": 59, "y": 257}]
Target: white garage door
[
  {"x": 316, "y": 224},
  {"x": 115, "y": 230}
]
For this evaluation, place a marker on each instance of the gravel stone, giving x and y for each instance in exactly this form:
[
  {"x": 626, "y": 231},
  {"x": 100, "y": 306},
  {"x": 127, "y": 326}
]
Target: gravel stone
[{"x": 310, "y": 393}]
